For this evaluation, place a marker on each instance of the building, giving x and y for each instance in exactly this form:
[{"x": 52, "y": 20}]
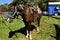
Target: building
[{"x": 54, "y": 8}]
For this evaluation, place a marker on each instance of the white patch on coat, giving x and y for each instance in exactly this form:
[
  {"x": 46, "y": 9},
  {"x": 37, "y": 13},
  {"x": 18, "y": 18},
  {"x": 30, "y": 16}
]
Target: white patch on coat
[
  {"x": 21, "y": 6},
  {"x": 8, "y": 19}
]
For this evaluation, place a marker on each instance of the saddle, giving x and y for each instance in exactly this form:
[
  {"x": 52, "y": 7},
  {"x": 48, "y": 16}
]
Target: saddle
[{"x": 32, "y": 9}]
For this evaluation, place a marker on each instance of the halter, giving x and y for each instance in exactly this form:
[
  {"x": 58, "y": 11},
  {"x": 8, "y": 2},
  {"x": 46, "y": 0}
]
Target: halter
[{"x": 13, "y": 13}]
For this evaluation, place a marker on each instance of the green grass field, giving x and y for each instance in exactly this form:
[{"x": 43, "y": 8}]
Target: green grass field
[{"x": 47, "y": 29}]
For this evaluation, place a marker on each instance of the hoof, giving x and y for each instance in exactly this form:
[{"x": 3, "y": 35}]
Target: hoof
[
  {"x": 38, "y": 30},
  {"x": 30, "y": 38},
  {"x": 26, "y": 36}
]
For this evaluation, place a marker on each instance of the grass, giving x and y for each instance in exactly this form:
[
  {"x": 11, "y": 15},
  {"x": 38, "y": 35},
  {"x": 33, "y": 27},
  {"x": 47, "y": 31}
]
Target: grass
[{"x": 47, "y": 29}]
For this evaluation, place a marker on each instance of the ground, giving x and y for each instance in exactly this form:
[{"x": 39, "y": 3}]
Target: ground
[{"x": 49, "y": 29}]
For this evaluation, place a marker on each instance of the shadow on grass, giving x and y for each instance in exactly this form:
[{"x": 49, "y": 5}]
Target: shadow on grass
[
  {"x": 57, "y": 27},
  {"x": 21, "y": 30},
  {"x": 56, "y": 17}
]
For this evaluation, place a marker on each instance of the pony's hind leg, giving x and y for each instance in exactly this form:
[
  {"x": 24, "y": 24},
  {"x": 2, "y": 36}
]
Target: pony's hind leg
[
  {"x": 37, "y": 25},
  {"x": 38, "y": 19}
]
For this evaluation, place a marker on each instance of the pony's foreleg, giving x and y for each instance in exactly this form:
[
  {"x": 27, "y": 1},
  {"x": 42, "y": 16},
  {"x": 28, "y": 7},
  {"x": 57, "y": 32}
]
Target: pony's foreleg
[
  {"x": 30, "y": 36},
  {"x": 27, "y": 29},
  {"x": 27, "y": 34}
]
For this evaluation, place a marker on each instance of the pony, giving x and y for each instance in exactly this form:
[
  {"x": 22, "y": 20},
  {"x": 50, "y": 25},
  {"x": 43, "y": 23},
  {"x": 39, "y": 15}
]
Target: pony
[{"x": 30, "y": 14}]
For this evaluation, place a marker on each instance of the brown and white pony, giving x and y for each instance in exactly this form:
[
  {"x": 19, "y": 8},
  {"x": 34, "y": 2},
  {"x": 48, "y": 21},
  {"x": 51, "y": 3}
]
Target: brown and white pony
[{"x": 29, "y": 17}]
